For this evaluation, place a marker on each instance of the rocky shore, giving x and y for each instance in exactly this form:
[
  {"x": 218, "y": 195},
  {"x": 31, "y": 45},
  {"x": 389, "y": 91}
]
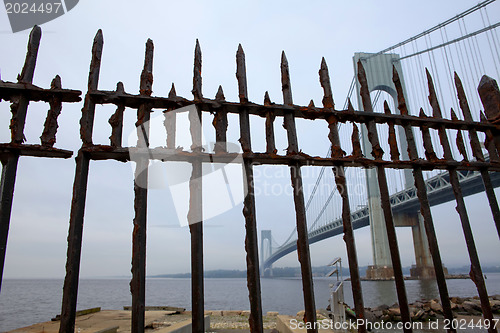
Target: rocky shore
[{"x": 431, "y": 310}]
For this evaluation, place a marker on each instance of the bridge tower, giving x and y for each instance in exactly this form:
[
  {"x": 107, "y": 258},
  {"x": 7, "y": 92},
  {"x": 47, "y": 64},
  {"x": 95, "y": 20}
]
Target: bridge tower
[
  {"x": 378, "y": 69},
  {"x": 266, "y": 250}
]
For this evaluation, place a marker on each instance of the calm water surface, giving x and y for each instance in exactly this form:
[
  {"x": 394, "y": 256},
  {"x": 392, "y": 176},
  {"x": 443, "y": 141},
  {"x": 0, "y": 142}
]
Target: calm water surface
[{"x": 24, "y": 302}]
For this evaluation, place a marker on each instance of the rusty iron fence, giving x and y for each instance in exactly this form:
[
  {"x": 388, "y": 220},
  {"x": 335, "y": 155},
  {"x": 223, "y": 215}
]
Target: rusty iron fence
[{"x": 19, "y": 94}]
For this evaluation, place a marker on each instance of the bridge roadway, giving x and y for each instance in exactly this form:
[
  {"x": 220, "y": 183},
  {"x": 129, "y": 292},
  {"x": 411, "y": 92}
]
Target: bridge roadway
[{"x": 438, "y": 190}]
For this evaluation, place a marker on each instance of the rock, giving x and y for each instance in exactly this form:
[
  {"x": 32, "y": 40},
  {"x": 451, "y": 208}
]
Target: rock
[
  {"x": 372, "y": 316},
  {"x": 394, "y": 312},
  {"x": 435, "y": 306},
  {"x": 418, "y": 316},
  {"x": 273, "y": 313},
  {"x": 454, "y": 306},
  {"x": 301, "y": 314},
  {"x": 471, "y": 307},
  {"x": 382, "y": 307},
  {"x": 386, "y": 317},
  {"x": 245, "y": 313},
  {"x": 431, "y": 313}
]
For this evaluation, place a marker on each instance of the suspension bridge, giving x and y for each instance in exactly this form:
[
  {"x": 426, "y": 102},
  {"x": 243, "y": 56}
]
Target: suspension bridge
[{"x": 467, "y": 44}]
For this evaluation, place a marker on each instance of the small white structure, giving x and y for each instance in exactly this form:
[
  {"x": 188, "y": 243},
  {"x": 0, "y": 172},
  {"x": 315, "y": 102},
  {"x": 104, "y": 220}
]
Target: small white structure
[{"x": 337, "y": 307}]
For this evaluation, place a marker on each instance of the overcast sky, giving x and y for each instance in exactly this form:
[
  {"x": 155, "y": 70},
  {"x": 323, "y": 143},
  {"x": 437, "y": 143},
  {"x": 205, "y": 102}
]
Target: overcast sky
[{"x": 306, "y": 31}]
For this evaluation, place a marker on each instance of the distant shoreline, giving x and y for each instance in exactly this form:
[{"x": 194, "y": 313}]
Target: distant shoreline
[{"x": 291, "y": 272}]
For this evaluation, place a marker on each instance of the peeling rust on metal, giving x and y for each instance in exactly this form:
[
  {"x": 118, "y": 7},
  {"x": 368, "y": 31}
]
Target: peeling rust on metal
[
  {"x": 220, "y": 125},
  {"x": 70, "y": 288},
  {"x": 460, "y": 139},
  {"x": 241, "y": 76},
  {"x": 490, "y": 97},
  {"x": 195, "y": 213},
  {"x": 270, "y": 142},
  {"x": 393, "y": 143},
  {"x": 197, "y": 73},
  {"x": 341, "y": 183},
  {"x": 377, "y": 151},
  {"x": 116, "y": 121},
  {"x": 48, "y": 137},
  {"x": 464, "y": 106},
  {"x": 251, "y": 248},
  {"x": 298, "y": 197},
  {"x": 356, "y": 145},
  {"x": 88, "y": 110},
  {"x": 430, "y": 154},
  {"x": 138, "y": 282},
  {"x": 489, "y": 141},
  {"x": 386, "y": 204}
]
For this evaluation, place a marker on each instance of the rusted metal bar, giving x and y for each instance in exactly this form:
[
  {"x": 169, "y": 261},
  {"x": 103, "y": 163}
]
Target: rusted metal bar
[
  {"x": 476, "y": 273},
  {"x": 138, "y": 282},
  {"x": 377, "y": 153},
  {"x": 340, "y": 181},
  {"x": 19, "y": 109},
  {"x": 70, "y": 289},
  {"x": 270, "y": 141},
  {"x": 425, "y": 208},
  {"x": 464, "y": 106},
  {"x": 251, "y": 242},
  {"x": 430, "y": 154},
  {"x": 116, "y": 121},
  {"x": 490, "y": 98},
  {"x": 170, "y": 121},
  {"x": 9, "y": 170},
  {"x": 48, "y": 137},
  {"x": 10, "y": 91},
  {"x": 393, "y": 142},
  {"x": 488, "y": 90},
  {"x": 195, "y": 214},
  {"x": 460, "y": 139},
  {"x": 356, "y": 145},
  {"x": 98, "y": 152},
  {"x": 211, "y": 105},
  {"x": 298, "y": 197},
  {"x": 7, "y": 149},
  {"x": 489, "y": 141},
  {"x": 220, "y": 124}
]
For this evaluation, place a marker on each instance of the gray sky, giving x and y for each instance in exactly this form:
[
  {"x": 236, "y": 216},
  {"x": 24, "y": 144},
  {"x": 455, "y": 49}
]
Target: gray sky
[{"x": 306, "y": 31}]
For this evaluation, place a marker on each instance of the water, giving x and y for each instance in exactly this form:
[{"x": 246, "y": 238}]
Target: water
[{"x": 25, "y": 302}]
